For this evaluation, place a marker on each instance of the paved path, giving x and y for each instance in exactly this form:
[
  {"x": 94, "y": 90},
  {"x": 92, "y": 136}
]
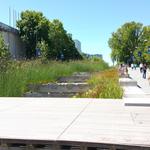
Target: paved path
[
  {"x": 74, "y": 120},
  {"x": 143, "y": 83}
]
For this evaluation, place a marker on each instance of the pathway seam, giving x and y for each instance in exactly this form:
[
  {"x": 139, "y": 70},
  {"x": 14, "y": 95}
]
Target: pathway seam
[{"x": 73, "y": 120}]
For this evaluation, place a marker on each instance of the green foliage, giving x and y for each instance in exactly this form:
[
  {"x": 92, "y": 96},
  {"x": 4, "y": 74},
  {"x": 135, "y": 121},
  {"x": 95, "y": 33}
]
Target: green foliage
[
  {"x": 146, "y": 43},
  {"x": 105, "y": 85},
  {"x": 61, "y": 43},
  {"x": 4, "y": 55},
  {"x": 35, "y": 28},
  {"x": 43, "y": 46},
  {"x": 127, "y": 41},
  {"x": 96, "y": 59},
  {"x": 14, "y": 82}
]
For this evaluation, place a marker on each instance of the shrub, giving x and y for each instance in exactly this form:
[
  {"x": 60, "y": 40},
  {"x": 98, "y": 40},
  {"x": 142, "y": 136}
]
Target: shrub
[
  {"x": 105, "y": 85},
  {"x": 43, "y": 46},
  {"x": 4, "y": 55}
]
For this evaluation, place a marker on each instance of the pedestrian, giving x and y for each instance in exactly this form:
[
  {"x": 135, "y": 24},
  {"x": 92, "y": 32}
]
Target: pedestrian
[
  {"x": 121, "y": 70},
  {"x": 144, "y": 71},
  {"x": 126, "y": 71},
  {"x": 141, "y": 67},
  {"x": 135, "y": 66},
  {"x": 132, "y": 66},
  {"x": 62, "y": 57}
]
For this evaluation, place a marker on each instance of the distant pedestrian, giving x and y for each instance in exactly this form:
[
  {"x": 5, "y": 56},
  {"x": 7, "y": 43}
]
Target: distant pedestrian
[
  {"x": 121, "y": 70},
  {"x": 141, "y": 67},
  {"x": 132, "y": 66},
  {"x": 144, "y": 71},
  {"x": 135, "y": 66},
  {"x": 62, "y": 57},
  {"x": 126, "y": 71}
]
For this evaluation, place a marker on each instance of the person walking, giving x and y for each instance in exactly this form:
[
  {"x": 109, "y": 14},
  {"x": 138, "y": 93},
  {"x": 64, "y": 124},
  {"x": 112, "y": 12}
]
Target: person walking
[
  {"x": 126, "y": 71},
  {"x": 121, "y": 70},
  {"x": 135, "y": 66},
  {"x": 141, "y": 67},
  {"x": 144, "y": 71},
  {"x": 132, "y": 66}
]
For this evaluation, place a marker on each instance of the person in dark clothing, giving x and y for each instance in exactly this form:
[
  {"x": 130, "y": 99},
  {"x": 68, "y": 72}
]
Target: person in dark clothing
[
  {"x": 144, "y": 71},
  {"x": 141, "y": 67},
  {"x": 62, "y": 57}
]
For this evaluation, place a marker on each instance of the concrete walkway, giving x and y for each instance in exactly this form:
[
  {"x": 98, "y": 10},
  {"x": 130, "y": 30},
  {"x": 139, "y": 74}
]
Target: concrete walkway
[
  {"x": 136, "y": 89},
  {"x": 143, "y": 83},
  {"x": 75, "y": 122}
]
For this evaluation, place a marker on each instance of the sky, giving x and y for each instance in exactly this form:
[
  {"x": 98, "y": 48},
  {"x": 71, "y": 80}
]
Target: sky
[{"x": 90, "y": 21}]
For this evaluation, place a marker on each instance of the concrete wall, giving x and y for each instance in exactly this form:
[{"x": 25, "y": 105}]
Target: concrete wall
[
  {"x": 16, "y": 46},
  {"x": 13, "y": 41}
]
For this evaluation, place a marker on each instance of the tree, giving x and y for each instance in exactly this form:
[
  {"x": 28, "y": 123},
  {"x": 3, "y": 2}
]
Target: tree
[
  {"x": 4, "y": 55},
  {"x": 61, "y": 43},
  {"x": 33, "y": 27},
  {"x": 126, "y": 41},
  {"x": 141, "y": 52},
  {"x": 145, "y": 44},
  {"x": 38, "y": 32}
]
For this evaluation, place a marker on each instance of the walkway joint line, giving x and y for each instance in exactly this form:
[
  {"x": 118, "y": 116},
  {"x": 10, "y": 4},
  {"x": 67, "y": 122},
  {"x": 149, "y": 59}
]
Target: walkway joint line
[{"x": 73, "y": 120}]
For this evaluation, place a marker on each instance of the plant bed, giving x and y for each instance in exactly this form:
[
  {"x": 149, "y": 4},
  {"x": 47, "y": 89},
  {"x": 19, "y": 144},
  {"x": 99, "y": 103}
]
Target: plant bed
[
  {"x": 15, "y": 81},
  {"x": 105, "y": 85}
]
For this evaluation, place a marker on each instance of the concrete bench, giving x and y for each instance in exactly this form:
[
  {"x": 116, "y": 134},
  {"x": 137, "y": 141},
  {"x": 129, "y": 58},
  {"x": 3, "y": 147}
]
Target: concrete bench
[
  {"x": 145, "y": 102},
  {"x": 127, "y": 82}
]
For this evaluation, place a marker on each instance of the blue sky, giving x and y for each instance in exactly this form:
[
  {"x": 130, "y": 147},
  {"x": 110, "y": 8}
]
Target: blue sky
[{"x": 90, "y": 21}]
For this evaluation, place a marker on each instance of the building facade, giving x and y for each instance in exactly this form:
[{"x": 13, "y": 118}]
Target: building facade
[
  {"x": 94, "y": 55},
  {"x": 13, "y": 41},
  {"x": 78, "y": 45}
]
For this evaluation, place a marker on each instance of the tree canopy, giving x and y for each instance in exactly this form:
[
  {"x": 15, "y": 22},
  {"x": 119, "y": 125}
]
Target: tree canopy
[
  {"x": 37, "y": 32},
  {"x": 130, "y": 43},
  {"x": 61, "y": 42},
  {"x": 33, "y": 27}
]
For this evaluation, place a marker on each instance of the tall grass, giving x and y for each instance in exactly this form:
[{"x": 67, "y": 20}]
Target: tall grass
[
  {"x": 13, "y": 83},
  {"x": 105, "y": 85}
]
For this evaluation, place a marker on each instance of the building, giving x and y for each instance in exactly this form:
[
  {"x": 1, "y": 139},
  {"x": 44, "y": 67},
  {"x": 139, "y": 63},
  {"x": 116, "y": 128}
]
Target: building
[
  {"x": 78, "y": 45},
  {"x": 94, "y": 55},
  {"x": 98, "y": 55},
  {"x": 13, "y": 41}
]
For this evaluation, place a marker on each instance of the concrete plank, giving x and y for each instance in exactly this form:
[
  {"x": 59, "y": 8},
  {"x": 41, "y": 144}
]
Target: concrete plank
[
  {"x": 127, "y": 82},
  {"x": 115, "y": 124},
  {"x": 137, "y": 102},
  {"x": 38, "y": 118},
  {"x": 78, "y": 120},
  {"x": 143, "y": 83},
  {"x": 134, "y": 92}
]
